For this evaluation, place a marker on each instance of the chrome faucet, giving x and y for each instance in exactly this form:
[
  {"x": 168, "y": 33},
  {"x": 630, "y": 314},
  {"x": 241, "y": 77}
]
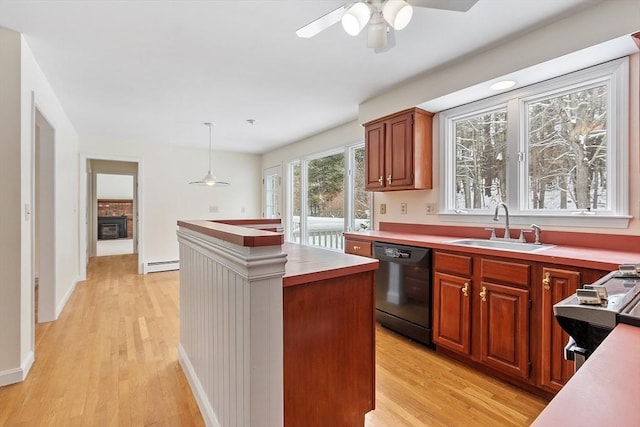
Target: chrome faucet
[
  {"x": 536, "y": 230},
  {"x": 507, "y": 232}
]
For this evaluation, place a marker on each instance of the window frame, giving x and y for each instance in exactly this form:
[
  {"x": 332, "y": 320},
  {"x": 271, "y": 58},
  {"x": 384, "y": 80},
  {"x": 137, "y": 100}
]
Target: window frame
[
  {"x": 348, "y": 151},
  {"x": 616, "y": 75}
]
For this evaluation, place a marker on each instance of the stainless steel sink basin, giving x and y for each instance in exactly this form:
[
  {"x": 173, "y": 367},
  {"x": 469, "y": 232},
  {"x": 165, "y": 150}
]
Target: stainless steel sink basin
[{"x": 504, "y": 245}]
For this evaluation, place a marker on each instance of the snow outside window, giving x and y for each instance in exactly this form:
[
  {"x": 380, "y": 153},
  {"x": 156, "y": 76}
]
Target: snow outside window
[
  {"x": 326, "y": 197},
  {"x": 555, "y": 152}
]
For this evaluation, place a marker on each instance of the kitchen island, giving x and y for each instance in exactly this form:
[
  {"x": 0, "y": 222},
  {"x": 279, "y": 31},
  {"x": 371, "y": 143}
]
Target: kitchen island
[{"x": 274, "y": 333}]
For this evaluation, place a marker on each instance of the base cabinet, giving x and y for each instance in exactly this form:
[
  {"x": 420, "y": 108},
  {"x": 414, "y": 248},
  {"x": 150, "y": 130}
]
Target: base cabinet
[
  {"x": 498, "y": 312},
  {"x": 504, "y": 328},
  {"x": 557, "y": 283},
  {"x": 452, "y": 325},
  {"x": 482, "y": 310}
]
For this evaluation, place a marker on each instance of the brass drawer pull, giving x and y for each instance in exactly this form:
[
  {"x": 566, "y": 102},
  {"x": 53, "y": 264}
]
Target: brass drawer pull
[
  {"x": 483, "y": 294},
  {"x": 356, "y": 248}
]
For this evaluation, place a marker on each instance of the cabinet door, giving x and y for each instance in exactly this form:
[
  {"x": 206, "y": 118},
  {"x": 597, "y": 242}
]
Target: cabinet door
[
  {"x": 374, "y": 157},
  {"x": 556, "y": 285},
  {"x": 451, "y": 312},
  {"x": 504, "y": 328},
  {"x": 399, "y": 152}
]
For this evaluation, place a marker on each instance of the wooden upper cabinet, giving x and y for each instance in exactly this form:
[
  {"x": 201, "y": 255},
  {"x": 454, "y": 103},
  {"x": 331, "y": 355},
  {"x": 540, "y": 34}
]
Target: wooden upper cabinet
[
  {"x": 398, "y": 152},
  {"x": 374, "y": 156}
]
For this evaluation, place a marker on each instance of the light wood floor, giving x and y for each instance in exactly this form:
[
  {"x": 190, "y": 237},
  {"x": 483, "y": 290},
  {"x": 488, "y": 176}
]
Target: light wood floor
[{"x": 110, "y": 360}]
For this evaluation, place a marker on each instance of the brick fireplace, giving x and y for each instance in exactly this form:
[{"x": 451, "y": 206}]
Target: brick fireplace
[{"x": 115, "y": 219}]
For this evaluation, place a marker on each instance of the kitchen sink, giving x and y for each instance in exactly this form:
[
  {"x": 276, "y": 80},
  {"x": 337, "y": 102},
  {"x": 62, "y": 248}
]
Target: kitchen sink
[{"x": 504, "y": 245}]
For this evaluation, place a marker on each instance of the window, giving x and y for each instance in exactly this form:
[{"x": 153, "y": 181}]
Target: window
[
  {"x": 271, "y": 181},
  {"x": 554, "y": 152},
  {"x": 326, "y": 197}
]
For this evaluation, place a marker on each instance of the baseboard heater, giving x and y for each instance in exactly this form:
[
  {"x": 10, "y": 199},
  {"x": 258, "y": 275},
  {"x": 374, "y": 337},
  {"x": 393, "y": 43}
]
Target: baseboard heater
[{"x": 154, "y": 267}]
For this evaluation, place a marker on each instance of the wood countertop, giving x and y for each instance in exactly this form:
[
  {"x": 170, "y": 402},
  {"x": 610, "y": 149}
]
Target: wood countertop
[
  {"x": 606, "y": 389},
  {"x": 308, "y": 264},
  {"x": 304, "y": 263},
  {"x": 569, "y": 255}
]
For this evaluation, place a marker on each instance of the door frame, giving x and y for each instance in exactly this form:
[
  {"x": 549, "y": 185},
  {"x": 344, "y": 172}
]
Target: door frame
[
  {"x": 86, "y": 179},
  {"x": 43, "y": 235}
]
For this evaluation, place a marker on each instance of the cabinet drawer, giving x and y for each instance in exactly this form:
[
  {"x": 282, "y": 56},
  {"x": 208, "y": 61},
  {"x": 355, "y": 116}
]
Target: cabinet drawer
[
  {"x": 506, "y": 272},
  {"x": 357, "y": 247},
  {"x": 454, "y": 264}
]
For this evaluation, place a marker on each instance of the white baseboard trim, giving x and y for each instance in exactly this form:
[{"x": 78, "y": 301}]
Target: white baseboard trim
[
  {"x": 206, "y": 410},
  {"x": 65, "y": 299},
  {"x": 16, "y": 375},
  {"x": 154, "y": 267}
]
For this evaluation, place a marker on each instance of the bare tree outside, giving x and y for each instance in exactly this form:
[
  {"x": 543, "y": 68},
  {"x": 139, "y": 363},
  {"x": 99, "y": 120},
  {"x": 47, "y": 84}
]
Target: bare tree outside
[
  {"x": 568, "y": 150},
  {"x": 481, "y": 160},
  {"x": 362, "y": 197}
]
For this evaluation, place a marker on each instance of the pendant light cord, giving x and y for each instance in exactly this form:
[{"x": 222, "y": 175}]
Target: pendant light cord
[{"x": 209, "y": 124}]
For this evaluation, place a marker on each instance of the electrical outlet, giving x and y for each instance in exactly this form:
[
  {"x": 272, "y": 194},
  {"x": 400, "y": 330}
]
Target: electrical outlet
[
  {"x": 383, "y": 208},
  {"x": 213, "y": 209},
  {"x": 403, "y": 208},
  {"x": 430, "y": 208},
  {"x": 242, "y": 209}
]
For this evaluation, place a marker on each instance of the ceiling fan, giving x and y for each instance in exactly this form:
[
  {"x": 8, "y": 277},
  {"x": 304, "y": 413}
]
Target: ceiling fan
[{"x": 383, "y": 16}]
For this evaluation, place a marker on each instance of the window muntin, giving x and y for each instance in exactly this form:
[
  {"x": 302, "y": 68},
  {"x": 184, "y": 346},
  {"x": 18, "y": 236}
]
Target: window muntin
[{"x": 608, "y": 191}]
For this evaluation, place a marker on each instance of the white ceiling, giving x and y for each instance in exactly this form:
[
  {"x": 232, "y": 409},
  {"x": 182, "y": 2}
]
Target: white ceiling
[{"x": 153, "y": 71}]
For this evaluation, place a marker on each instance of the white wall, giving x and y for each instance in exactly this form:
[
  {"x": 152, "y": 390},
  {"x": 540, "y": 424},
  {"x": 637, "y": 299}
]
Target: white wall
[
  {"x": 114, "y": 186},
  {"x": 22, "y": 80},
  {"x": 66, "y": 179},
  {"x": 167, "y": 197},
  {"x": 12, "y": 352}
]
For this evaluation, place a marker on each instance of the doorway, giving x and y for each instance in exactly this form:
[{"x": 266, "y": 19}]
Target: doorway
[
  {"x": 115, "y": 224},
  {"x": 109, "y": 192},
  {"x": 272, "y": 182},
  {"x": 44, "y": 219}
]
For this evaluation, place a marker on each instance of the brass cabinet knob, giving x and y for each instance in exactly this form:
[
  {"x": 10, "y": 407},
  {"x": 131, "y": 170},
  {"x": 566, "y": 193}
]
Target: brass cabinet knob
[
  {"x": 389, "y": 180},
  {"x": 380, "y": 181},
  {"x": 483, "y": 294},
  {"x": 546, "y": 281},
  {"x": 465, "y": 289}
]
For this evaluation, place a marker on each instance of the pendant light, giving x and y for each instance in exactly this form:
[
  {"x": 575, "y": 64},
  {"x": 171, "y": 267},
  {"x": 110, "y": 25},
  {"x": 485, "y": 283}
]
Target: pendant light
[{"x": 209, "y": 179}]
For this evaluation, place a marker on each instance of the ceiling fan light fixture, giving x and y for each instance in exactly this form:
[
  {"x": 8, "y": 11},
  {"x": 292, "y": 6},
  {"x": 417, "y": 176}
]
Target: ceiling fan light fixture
[
  {"x": 355, "y": 18},
  {"x": 397, "y": 13},
  {"x": 377, "y": 35}
]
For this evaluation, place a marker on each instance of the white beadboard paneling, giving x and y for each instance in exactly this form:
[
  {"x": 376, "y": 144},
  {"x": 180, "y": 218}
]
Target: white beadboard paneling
[{"x": 231, "y": 329}]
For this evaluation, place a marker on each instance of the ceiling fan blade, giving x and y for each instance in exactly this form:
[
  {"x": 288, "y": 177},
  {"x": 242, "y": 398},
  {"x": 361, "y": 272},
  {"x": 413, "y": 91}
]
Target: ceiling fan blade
[
  {"x": 454, "y": 5},
  {"x": 321, "y": 24}
]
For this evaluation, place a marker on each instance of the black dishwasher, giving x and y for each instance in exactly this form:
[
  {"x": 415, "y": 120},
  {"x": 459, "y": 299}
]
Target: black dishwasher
[{"x": 403, "y": 290}]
